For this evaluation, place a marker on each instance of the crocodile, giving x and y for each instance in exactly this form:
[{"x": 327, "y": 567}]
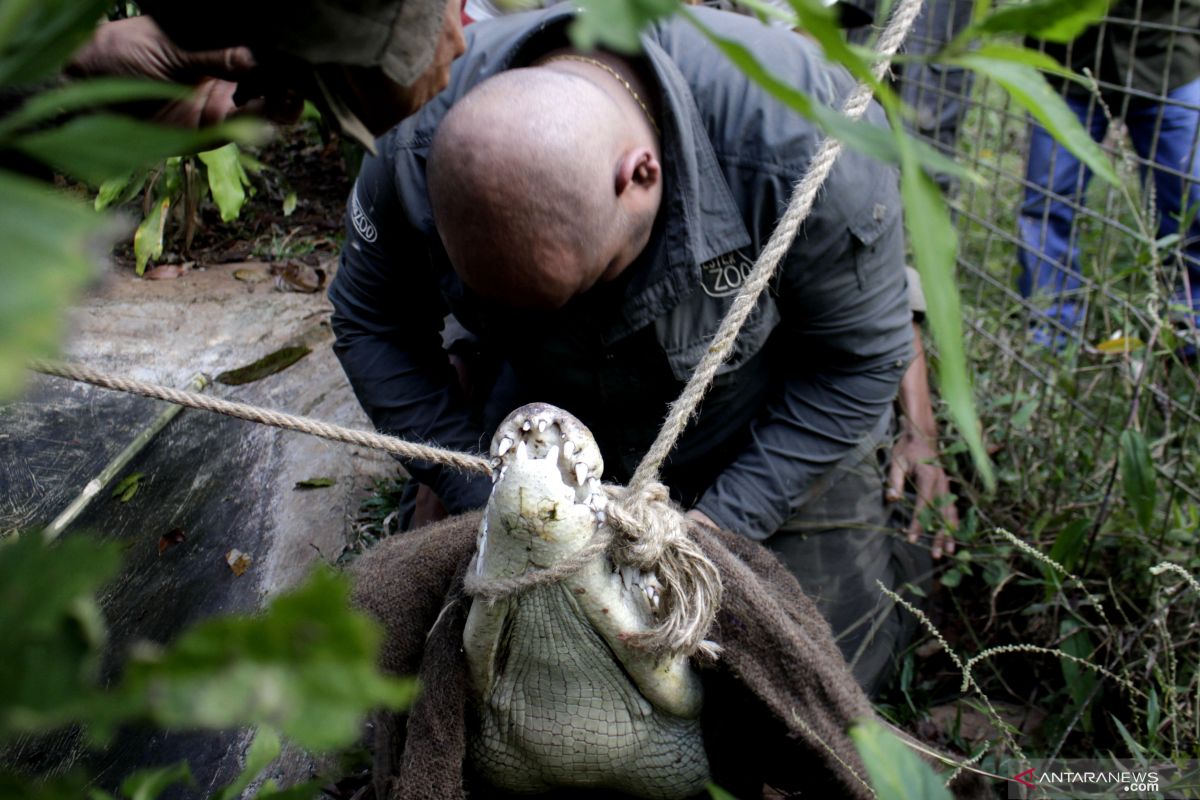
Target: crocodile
[{"x": 563, "y": 701}]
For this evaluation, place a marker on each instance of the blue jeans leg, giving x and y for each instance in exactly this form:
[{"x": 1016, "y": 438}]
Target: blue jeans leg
[
  {"x": 1174, "y": 151},
  {"x": 1057, "y": 180}
]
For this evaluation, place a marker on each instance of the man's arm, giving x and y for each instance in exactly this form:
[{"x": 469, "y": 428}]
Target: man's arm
[
  {"x": 387, "y": 314},
  {"x": 846, "y": 343}
]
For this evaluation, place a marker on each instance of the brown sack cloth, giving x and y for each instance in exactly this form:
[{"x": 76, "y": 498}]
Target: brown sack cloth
[{"x": 778, "y": 703}]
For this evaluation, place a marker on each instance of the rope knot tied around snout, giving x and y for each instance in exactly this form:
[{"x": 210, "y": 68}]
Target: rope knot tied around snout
[{"x": 652, "y": 534}]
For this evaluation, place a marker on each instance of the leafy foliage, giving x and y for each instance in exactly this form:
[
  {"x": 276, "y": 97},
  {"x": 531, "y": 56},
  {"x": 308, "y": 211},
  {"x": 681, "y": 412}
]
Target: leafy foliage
[
  {"x": 305, "y": 667},
  {"x": 896, "y": 771}
]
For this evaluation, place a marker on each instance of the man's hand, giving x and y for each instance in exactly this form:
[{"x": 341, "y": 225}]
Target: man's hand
[
  {"x": 915, "y": 459},
  {"x": 702, "y": 518},
  {"x": 137, "y": 47},
  {"x": 915, "y": 456}
]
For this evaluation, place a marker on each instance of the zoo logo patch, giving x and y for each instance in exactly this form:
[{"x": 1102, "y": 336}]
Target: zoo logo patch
[
  {"x": 725, "y": 274},
  {"x": 364, "y": 226}
]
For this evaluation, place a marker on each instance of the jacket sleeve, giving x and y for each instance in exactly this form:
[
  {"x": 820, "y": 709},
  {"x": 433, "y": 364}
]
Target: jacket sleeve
[
  {"x": 387, "y": 316},
  {"x": 839, "y": 353}
]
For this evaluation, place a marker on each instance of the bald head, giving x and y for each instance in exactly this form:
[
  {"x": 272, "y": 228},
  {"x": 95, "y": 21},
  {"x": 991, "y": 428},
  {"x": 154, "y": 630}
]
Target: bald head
[{"x": 523, "y": 186}]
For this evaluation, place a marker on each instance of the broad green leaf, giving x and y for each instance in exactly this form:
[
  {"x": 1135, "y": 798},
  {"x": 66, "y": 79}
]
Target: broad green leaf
[
  {"x": 51, "y": 244},
  {"x": 38, "y": 36},
  {"x": 1029, "y": 89},
  {"x": 1137, "y": 477},
  {"x": 97, "y": 147},
  {"x": 227, "y": 179},
  {"x": 931, "y": 236},
  {"x": 1052, "y": 20},
  {"x": 148, "y": 239},
  {"x": 616, "y": 24},
  {"x": 263, "y": 750},
  {"x": 86, "y": 94},
  {"x": 1080, "y": 681},
  {"x": 306, "y": 666},
  {"x": 1068, "y": 544},
  {"x": 820, "y": 22},
  {"x": 896, "y": 772},
  {"x": 289, "y": 204},
  {"x": 51, "y": 631},
  {"x": 148, "y": 784},
  {"x": 111, "y": 190},
  {"x": 1006, "y": 51},
  {"x": 267, "y": 365},
  {"x": 863, "y": 137},
  {"x": 717, "y": 793}
]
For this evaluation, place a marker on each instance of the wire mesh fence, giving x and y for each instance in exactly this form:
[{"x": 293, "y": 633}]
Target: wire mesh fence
[{"x": 1081, "y": 297}]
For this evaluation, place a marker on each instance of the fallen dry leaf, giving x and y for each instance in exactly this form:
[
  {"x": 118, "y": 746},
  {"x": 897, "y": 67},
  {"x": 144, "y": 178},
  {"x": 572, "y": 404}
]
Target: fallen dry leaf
[
  {"x": 170, "y": 539},
  {"x": 166, "y": 272},
  {"x": 297, "y": 277},
  {"x": 238, "y": 561},
  {"x": 252, "y": 274}
]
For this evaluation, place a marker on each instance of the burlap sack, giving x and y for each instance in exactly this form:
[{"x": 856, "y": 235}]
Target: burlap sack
[{"x": 778, "y": 703}]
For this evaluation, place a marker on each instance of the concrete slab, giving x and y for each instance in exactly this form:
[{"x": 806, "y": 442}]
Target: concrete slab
[{"x": 226, "y": 483}]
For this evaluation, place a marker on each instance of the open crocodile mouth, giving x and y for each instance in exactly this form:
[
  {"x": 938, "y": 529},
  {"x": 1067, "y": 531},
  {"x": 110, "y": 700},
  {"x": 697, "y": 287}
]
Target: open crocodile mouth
[
  {"x": 563, "y": 698},
  {"x": 546, "y": 505}
]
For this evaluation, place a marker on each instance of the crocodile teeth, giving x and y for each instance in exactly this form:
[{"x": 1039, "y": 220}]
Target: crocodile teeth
[
  {"x": 527, "y": 426},
  {"x": 581, "y": 472},
  {"x": 569, "y": 448},
  {"x": 522, "y": 450},
  {"x": 541, "y": 426},
  {"x": 505, "y": 443},
  {"x": 652, "y": 596}
]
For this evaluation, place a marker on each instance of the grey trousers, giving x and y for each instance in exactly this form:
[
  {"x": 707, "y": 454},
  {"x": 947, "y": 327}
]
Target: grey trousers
[{"x": 844, "y": 539}]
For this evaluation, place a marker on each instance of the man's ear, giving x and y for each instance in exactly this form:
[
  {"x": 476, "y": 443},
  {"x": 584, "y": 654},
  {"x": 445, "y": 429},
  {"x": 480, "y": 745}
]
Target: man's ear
[{"x": 639, "y": 169}]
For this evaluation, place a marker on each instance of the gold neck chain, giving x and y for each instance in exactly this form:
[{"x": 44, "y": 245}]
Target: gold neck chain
[{"x": 620, "y": 79}]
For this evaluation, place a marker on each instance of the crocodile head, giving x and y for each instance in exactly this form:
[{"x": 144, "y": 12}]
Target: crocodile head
[{"x": 562, "y": 698}]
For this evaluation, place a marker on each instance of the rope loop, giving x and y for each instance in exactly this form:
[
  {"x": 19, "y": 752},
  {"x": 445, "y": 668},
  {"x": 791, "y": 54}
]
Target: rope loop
[{"x": 654, "y": 535}]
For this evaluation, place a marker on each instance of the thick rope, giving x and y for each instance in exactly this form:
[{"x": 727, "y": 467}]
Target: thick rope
[
  {"x": 644, "y": 529},
  {"x": 799, "y": 207},
  {"x": 375, "y": 441}
]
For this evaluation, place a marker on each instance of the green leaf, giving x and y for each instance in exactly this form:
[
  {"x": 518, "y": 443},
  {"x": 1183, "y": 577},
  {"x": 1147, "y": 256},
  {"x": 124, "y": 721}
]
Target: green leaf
[
  {"x": 931, "y": 236},
  {"x": 717, "y": 793},
  {"x": 1068, "y": 547},
  {"x": 315, "y": 483},
  {"x": 38, "y": 36},
  {"x": 111, "y": 190},
  {"x": 51, "y": 631},
  {"x": 1029, "y": 89},
  {"x": 127, "y": 483},
  {"x": 289, "y": 204},
  {"x": 1052, "y": 20},
  {"x": 148, "y": 238},
  {"x": 87, "y": 94},
  {"x": 863, "y": 137},
  {"x": 1006, "y": 51},
  {"x": 263, "y": 750},
  {"x": 227, "y": 179},
  {"x": 97, "y": 147},
  {"x": 1138, "y": 477},
  {"x": 1079, "y": 681},
  {"x": 148, "y": 784},
  {"x": 267, "y": 365},
  {"x": 306, "y": 666},
  {"x": 616, "y": 24},
  {"x": 50, "y": 246},
  {"x": 895, "y": 770}
]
